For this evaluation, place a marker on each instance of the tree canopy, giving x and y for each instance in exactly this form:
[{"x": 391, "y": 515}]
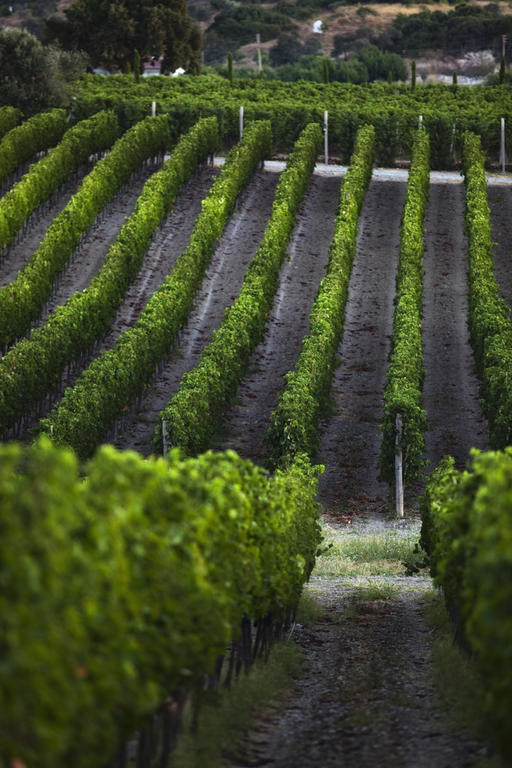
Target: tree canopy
[
  {"x": 33, "y": 76},
  {"x": 110, "y": 31}
]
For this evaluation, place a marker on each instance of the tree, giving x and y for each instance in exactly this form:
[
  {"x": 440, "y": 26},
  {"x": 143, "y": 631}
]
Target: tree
[
  {"x": 287, "y": 50},
  {"x": 230, "y": 67},
  {"x": 33, "y": 76},
  {"x": 109, "y": 31},
  {"x": 502, "y": 71}
]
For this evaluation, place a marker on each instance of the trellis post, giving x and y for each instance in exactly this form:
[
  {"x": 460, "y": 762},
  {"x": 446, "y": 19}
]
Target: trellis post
[
  {"x": 502, "y": 145},
  {"x": 241, "y": 122},
  {"x": 153, "y": 108},
  {"x": 164, "y": 437},
  {"x": 399, "y": 481},
  {"x": 326, "y": 137}
]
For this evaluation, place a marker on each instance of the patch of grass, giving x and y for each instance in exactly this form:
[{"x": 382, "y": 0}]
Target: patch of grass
[
  {"x": 456, "y": 680},
  {"x": 354, "y": 554},
  {"x": 227, "y": 715},
  {"x": 309, "y": 609},
  {"x": 375, "y": 590}
]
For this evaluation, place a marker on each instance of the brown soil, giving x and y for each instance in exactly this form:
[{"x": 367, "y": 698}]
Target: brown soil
[
  {"x": 450, "y": 390},
  {"x": 350, "y": 437},
  {"x": 500, "y": 204},
  {"x": 247, "y": 420},
  {"x": 220, "y": 288}
]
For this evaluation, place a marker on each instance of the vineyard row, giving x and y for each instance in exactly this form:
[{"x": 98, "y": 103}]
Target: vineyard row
[{"x": 112, "y": 642}]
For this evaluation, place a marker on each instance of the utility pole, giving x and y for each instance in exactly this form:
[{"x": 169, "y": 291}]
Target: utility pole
[{"x": 258, "y": 43}]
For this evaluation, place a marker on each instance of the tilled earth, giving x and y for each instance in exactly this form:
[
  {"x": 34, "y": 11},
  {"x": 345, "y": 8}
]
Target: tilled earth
[{"x": 366, "y": 697}]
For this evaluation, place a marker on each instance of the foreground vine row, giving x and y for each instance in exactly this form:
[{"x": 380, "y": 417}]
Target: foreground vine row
[
  {"x": 167, "y": 558},
  {"x": 467, "y": 532}
]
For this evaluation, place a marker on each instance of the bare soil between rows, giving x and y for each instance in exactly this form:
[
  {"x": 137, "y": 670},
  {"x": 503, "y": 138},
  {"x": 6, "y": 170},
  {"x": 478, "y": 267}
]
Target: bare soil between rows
[
  {"x": 220, "y": 287},
  {"x": 248, "y": 418},
  {"x": 366, "y": 696},
  {"x": 451, "y": 387}
]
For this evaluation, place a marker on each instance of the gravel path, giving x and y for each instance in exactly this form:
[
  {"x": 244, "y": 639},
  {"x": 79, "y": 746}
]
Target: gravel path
[
  {"x": 247, "y": 420},
  {"x": 350, "y": 437},
  {"x": 366, "y": 696},
  {"x": 450, "y": 390}
]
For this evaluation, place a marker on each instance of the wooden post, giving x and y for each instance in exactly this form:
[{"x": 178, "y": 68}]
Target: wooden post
[
  {"x": 258, "y": 43},
  {"x": 164, "y": 437},
  {"x": 153, "y": 108},
  {"x": 502, "y": 145},
  {"x": 326, "y": 137},
  {"x": 399, "y": 483},
  {"x": 241, "y": 122}
]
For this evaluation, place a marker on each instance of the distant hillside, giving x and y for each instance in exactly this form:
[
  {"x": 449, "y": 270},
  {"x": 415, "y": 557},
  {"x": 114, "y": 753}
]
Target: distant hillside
[
  {"x": 29, "y": 14},
  {"x": 448, "y": 37},
  {"x": 440, "y": 30}
]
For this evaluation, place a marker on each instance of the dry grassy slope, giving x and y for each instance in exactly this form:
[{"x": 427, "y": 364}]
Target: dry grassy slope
[
  {"x": 23, "y": 16},
  {"x": 346, "y": 21}
]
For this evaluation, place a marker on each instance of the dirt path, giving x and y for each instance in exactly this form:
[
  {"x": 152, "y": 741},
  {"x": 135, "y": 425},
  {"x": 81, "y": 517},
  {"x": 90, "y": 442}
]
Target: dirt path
[
  {"x": 366, "y": 697},
  {"x": 450, "y": 390},
  {"x": 247, "y": 420},
  {"x": 500, "y": 204},
  {"x": 220, "y": 288},
  {"x": 350, "y": 437}
]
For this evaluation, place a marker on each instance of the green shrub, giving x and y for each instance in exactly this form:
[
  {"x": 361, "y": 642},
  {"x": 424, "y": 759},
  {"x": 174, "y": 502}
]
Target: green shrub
[
  {"x": 467, "y": 531},
  {"x": 120, "y": 589}
]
